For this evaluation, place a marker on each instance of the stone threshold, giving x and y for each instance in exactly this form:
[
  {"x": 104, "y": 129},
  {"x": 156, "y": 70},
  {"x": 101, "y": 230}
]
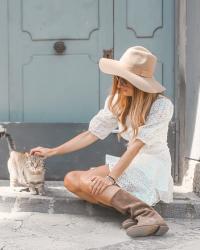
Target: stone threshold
[{"x": 60, "y": 201}]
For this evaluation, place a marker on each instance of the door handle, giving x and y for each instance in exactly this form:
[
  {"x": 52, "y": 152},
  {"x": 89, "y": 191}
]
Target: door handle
[{"x": 59, "y": 47}]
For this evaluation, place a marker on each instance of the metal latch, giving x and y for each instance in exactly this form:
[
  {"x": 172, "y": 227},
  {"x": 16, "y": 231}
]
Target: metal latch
[{"x": 108, "y": 53}]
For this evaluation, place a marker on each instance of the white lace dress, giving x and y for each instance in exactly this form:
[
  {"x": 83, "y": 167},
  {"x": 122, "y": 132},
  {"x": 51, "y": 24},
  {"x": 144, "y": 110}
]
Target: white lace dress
[{"x": 148, "y": 176}]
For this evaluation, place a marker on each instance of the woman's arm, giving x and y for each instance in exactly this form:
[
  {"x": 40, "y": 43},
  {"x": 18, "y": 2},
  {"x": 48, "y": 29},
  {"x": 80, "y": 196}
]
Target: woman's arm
[
  {"x": 126, "y": 159},
  {"x": 78, "y": 142}
]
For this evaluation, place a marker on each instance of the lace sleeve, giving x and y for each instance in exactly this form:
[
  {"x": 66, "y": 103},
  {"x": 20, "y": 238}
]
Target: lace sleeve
[
  {"x": 157, "y": 121},
  {"x": 103, "y": 122}
]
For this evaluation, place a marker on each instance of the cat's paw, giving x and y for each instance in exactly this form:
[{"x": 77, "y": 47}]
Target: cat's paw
[
  {"x": 24, "y": 189},
  {"x": 33, "y": 191},
  {"x": 17, "y": 189},
  {"x": 14, "y": 189},
  {"x": 41, "y": 191},
  {"x": 14, "y": 184},
  {"x": 42, "y": 194}
]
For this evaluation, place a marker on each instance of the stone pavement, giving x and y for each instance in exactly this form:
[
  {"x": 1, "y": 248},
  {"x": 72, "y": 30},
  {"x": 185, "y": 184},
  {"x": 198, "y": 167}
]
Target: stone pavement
[
  {"x": 42, "y": 231},
  {"x": 61, "y": 221}
]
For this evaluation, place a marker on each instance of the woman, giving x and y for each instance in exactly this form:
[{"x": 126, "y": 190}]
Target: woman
[{"x": 141, "y": 177}]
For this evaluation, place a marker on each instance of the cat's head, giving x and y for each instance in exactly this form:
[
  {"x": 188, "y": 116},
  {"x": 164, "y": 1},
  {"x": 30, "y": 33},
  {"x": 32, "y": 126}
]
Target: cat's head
[{"x": 35, "y": 164}]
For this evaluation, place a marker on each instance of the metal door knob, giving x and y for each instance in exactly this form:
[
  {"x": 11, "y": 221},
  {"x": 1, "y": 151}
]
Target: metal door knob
[{"x": 59, "y": 47}]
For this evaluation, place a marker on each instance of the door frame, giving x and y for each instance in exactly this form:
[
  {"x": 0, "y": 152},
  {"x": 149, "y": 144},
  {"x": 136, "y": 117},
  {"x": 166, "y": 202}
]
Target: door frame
[{"x": 180, "y": 87}]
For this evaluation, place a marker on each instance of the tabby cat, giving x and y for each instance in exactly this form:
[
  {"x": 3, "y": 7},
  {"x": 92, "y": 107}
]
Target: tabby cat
[{"x": 25, "y": 170}]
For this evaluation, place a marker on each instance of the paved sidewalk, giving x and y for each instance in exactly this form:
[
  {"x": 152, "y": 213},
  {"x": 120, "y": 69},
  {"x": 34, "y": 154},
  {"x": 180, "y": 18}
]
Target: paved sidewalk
[
  {"x": 61, "y": 221},
  {"x": 41, "y": 231}
]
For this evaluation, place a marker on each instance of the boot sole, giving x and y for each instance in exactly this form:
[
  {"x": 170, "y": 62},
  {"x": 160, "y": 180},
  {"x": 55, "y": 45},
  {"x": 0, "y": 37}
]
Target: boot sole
[
  {"x": 147, "y": 230},
  {"x": 161, "y": 230}
]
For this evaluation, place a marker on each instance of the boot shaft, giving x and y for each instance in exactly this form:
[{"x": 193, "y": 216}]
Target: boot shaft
[{"x": 126, "y": 203}]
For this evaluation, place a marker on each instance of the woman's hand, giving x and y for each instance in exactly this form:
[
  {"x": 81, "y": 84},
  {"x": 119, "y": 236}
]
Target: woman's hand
[
  {"x": 43, "y": 152},
  {"x": 99, "y": 184}
]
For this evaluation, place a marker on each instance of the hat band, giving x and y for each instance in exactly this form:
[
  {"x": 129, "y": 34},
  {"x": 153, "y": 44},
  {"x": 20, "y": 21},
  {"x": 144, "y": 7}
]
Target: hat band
[
  {"x": 142, "y": 72},
  {"x": 139, "y": 71}
]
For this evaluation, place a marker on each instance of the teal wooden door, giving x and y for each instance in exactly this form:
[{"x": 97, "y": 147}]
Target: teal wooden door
[
  {"x": 44, "y": 86},
  {"x": 39, "y": 85}
]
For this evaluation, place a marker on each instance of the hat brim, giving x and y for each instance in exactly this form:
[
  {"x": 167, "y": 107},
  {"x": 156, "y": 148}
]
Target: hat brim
[{"x": 114, "y": 67}]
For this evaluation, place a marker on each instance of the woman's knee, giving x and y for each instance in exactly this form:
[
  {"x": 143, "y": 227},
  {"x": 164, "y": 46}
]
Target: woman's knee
[
  {"x": 72, "y": 181},
  {"x": 85, "y": 182},
  {"x": 85, "y": 178},
  {"x": 81, "y": 180}
]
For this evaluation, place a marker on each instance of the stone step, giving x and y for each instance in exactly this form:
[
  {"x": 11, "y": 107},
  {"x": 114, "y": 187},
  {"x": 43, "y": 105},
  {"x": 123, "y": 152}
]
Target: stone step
[{"x": 60, "y": 201}]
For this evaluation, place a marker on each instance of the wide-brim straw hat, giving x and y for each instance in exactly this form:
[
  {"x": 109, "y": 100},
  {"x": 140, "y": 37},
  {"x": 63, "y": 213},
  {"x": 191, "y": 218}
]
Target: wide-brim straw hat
[{"x": 137, "y": 66}]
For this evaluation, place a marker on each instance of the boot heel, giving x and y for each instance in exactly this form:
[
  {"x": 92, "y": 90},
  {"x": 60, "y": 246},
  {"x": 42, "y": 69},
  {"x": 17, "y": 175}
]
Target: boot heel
[{"x": 161, "y": 230}]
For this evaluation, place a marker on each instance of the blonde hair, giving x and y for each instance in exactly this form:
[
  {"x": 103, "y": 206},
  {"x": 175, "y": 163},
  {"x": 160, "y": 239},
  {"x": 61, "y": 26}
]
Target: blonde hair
[{"x": 138, "y": 106}]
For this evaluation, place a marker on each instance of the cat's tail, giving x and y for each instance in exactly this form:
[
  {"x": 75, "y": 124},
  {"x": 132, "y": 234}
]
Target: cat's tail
[
  {"x": 11, "y": 144},
  {"x": 10, "y": 141},
  {"x": 2, "y": 131}
]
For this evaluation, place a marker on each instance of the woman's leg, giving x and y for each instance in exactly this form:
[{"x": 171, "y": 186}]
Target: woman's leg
[
  {"x": 78, "y": 182},
  {"x": 107, "y": 194},
  {"x": 149, "y": 222},
  {"x": 72, "y": 183}
]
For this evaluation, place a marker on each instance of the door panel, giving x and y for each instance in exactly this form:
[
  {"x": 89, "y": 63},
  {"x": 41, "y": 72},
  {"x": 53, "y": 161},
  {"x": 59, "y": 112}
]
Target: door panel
[
  {"x": 46, "y": 86},
  {"x": 58, "y": 88},
  {"x": 144, "y": 17},
  {"x": 50, "y": 19},
  {"x": 149, "y": 23}
]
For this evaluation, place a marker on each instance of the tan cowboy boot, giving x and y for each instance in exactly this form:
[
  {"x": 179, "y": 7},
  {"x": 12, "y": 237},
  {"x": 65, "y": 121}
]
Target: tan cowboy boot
[
  {"x": 149, "y": 222},
  {"x": 129, "y": 222}
]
